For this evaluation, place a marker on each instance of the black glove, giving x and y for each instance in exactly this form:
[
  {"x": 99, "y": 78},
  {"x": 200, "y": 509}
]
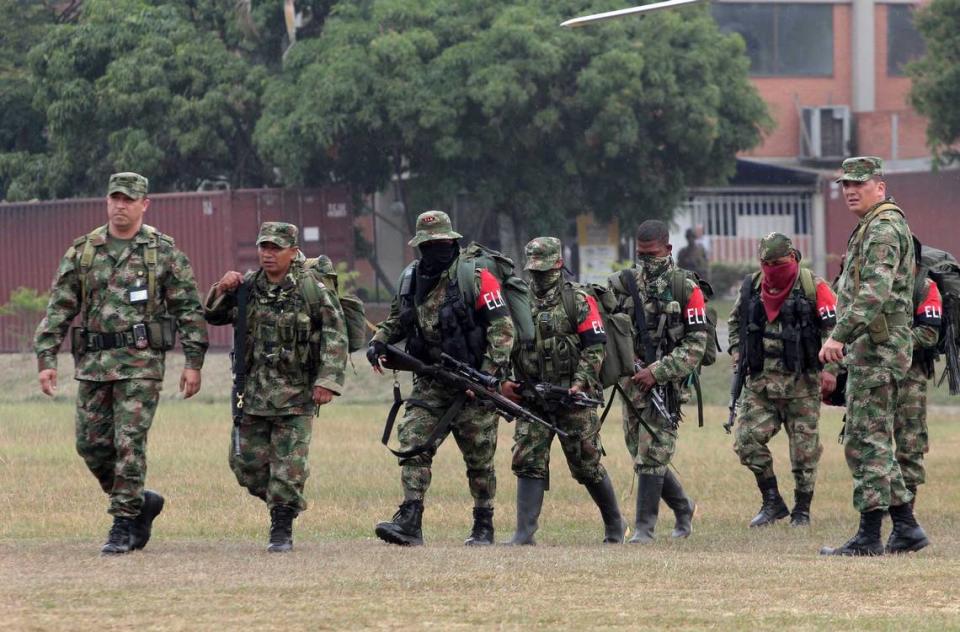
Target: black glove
[{"x": 374, "y": 351}]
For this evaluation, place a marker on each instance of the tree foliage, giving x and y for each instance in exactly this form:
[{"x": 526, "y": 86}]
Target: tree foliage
[
  {"x": 936, "y": 77},
  {"x": 491, "y": 98}
]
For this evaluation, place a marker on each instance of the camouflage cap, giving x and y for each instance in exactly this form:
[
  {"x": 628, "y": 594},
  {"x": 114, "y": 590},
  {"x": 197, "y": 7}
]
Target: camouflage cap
[
  {"x": 279, "y": 233},
  {"x": 543, "y": 253},
  {"x": 431, "y": 226},
  {"x": 131, "y": 184},
  {"x": 860, "y": 169},
  {"x": 774, "y": 246}
]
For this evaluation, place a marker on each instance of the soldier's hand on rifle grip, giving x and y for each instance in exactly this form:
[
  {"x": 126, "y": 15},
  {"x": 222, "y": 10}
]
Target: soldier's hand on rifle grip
[
  {"x": 375, "y": 352},
  {"x": 48, "y": 381},
  {"x": 734, "y": 360},
  {"x": 644, "y": 378},
  {"x": 511, "y": 390},
  {"x": 828, "y": 384},
  {"x": 230, "y": 281},
  {"x": 831, "y": 351},
  {"x": 575, "y": 390},
  {"x": 322, "y": 395}
]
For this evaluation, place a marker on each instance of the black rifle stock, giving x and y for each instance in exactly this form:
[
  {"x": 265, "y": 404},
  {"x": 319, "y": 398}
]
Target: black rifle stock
[
  {"x": 463, "y": 377},
  {"x": 550, "y": 395}
]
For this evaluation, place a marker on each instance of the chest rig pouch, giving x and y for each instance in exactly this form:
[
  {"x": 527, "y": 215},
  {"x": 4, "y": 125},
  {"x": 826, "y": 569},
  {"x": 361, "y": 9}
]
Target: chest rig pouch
[
  {"x": 283, "y": 334},
  {"x": 556, "y": 351},
  {"x": 799, "y": 332}
]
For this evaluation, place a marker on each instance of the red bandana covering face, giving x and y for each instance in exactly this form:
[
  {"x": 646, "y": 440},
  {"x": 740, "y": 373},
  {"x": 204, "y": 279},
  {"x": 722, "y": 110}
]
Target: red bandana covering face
[{"x": 780, "y": 277}]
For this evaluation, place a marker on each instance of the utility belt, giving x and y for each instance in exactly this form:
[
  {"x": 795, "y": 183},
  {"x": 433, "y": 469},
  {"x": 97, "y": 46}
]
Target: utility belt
[
  {"x": 879, "y": 327},
  {"x": 159, "y": 335}
]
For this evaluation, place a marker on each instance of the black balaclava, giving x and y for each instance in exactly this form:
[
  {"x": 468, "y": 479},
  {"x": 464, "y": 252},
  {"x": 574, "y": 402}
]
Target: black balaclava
[{"x": 435, "y": 257}]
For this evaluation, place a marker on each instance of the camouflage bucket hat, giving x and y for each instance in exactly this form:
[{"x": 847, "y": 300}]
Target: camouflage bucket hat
[
  {"x": 279, "y": 233},
  {"x": 860, "y": 169},
  {"x": 133, "y": 185},
  {"x": 774, "y": 246},
  {"x": 543, "y": 253},
  {"x": 431, "y": 226}
]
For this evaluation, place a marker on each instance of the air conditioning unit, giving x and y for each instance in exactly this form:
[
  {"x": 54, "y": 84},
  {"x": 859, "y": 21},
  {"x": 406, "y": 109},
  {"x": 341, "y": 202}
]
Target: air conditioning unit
[{"x": 825, "y": 132}]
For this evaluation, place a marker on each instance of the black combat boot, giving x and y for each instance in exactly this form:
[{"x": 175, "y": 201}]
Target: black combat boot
[
  {"x": 142, "y": 526},
  {"x": 120, "y": 539},
  {"x": 683, "y": 508},
  {"x": 281, "y": 528},
  {"x": 482, "y": 532},
  {"x": 800, "y": 516},
  {"x": 773, "y": 507},
  {"x": 614, "y": 526},
  {"x": 649, "y": 490},
  {"x": 404, "y": 527},
  {"x": 529, "y": 502},
  {"x": 907, "y": 536},
  {"x": 866, "y": 541}
]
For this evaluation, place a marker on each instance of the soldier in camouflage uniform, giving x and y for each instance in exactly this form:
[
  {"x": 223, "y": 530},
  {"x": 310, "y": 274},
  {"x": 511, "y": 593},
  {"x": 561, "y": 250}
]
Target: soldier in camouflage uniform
[
  {"x": 784, "y": 326},
  {"x": 133, "y": 291},
  {"x": 569, "y": 354},
  {"x": 430, "y": 312},
  {"x": 872, "y": 337},
  {"x": 910, "y": 422},
  {"x": 676, "y": 339},
  {"x": 296, "y": 355},
  {"x": 693, "y": 256}
]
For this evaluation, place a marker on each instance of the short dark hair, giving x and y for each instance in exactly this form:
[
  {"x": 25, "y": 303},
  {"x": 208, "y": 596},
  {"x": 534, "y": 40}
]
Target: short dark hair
[{"x": 653, "y": 230}]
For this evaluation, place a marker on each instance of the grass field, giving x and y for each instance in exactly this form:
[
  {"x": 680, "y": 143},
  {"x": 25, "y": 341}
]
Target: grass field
[{"x": 206, "y": 567}]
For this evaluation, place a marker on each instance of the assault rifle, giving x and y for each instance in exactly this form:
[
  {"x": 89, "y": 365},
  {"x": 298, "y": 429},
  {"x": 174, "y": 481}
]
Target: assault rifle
[
  {"x": 464, "y": 377},
  {"x": 658, "y": 399},
  {"x": 736, "y": 388},
  {"x": 949, "y": 348},
  {"x": 555, "y": 397}
]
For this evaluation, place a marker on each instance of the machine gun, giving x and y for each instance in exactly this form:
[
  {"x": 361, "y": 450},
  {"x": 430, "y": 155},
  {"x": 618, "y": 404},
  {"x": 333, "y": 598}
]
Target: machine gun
[
  {"x": 736, "y": 388},
  {"x": 659, "y": 400},
  {"x": 552, "y": 398},
  {"x": 463, "y": 377}
]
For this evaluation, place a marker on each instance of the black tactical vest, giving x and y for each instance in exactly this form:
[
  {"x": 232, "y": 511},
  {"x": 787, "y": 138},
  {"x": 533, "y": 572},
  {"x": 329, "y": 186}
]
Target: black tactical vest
[{"x": 800, "y": 329}]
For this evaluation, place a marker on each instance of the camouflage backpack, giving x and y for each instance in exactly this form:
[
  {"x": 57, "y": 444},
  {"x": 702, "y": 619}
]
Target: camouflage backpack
[
  {"x": 321, "y": 269},
  {"x": 618, "y": 358},
  {"x": 943, "y": 269}
]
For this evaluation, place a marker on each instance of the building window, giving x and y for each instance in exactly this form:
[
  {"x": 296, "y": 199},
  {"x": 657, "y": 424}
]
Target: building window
[
  {"x": 904, "y": 42},
  {"x": 782, "y": 38}
]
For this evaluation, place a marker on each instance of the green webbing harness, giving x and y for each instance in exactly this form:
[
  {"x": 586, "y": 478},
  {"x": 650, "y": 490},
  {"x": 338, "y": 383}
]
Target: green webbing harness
[{"x": 149, "y": 258}]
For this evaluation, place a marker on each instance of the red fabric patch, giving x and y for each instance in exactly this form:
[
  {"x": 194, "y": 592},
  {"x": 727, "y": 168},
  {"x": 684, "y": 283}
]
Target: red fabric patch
[
  {"x": 932, "y": 306},
  {"x": 826, "y": 301},
  {"x": 491, "y": 296},
  {"x": 592, "y": 323},
  {"x": 696, "y": 312}
]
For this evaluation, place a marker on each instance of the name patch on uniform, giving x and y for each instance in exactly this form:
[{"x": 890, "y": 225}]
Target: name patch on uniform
[{"x": 138, "y": 295}]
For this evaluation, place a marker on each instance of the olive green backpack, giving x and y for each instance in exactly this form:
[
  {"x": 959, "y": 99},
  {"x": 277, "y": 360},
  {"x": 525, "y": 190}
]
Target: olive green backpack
[{"x": 321, "y": 269}]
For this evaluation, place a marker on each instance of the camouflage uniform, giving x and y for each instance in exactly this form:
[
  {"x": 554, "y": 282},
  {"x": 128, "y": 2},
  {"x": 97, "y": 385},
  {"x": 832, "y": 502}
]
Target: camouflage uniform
[
  {"x": 779, "y": 397},
  {"x": 874, "y": 307},
  {"x": 292, "y": 347},
  {"x": 120, "y": 385},
  {"x": 474, "y": 428},
  {"x": 910, "y": 423},
  {"x": 693, "y": 257}
]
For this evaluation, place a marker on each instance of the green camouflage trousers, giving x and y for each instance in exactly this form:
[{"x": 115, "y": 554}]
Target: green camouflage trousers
[
  {"x": 760, "y": 418},
  {"x": 111, "y": 426},
  {"x": 868, "y": 441},
  {"x": 531, "y": 448},
  {"x": 910, "y": 430},
  {"x": 474, "y": 429},
  {"x": 651, "y": 453},
  {"x": 273, "y": 463}
]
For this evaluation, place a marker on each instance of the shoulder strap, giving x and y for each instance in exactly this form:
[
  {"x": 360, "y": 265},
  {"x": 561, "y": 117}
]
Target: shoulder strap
[
  {"x": 857, "y": 243},
  {"x": 678, "y": 287},
  {"x": 466, "y": 268},
  {"x": 150, "y": 258},
  {"x": 569, "y": 299},
  {"x": 808, "y": 284},
  {"x": 86, "y": 260}
]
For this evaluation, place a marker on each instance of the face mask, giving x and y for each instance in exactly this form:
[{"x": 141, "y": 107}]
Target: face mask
[
  {"x": 542, "y": 282},
  {"x": 435, "y": 257},
  {"x": 780, "y": 276},
  {"x": 653, "y": 266}
]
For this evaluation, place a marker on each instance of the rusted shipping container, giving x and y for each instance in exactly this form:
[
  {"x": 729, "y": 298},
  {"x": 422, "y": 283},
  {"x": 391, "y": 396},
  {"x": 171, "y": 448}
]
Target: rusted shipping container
[{"x": 216, "y": 229}]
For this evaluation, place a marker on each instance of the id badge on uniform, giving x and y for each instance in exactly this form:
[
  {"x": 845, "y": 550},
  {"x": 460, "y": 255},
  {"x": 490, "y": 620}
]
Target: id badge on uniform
[{"x": 137, "y": 295}]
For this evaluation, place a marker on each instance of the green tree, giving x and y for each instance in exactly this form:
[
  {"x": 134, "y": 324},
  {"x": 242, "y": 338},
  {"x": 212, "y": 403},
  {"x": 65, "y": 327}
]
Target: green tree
[
  {"x": 491, "y": 98},
  {"x": 936, "y": 76},
  {"x": 26, "y": 305}
]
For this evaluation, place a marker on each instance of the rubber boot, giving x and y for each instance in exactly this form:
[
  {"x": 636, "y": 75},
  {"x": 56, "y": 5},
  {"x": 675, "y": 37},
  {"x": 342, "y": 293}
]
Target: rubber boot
[
  {"x": 683, "y": 508},
  {"x": 120, "y": 538},
  {"x": 405, "y": 526},
  {"x": 482, "y": 532},
  {"x": 281, "y": 528},
  {"x": 529, "y": 503},
  {"x": 866, "y": 541},
  {"x": 773, "y": 507},
  {"x": 143, "y": 525},
  {"x": 800, "y": 516},
  {"x": 907, "y": 536},
  {"x": 649, "y": 490},
  {"x": 614, "y": 526}
]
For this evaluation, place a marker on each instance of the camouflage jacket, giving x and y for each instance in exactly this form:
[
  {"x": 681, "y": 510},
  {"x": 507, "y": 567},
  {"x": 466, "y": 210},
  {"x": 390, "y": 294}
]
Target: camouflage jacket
[
  {"x": 884, "y": 261},
  {"x": 694, "y": 258},
  {"x": 776, "y": 379},
  {"x": 493, "y": 313},
  {"x": 688, "y": 327},
  {"x": 291, "y": 347},
  {"x": 926, "y": 328},
  {"x": 108, "y": 309},
  {"x": 566, "y": 353}
]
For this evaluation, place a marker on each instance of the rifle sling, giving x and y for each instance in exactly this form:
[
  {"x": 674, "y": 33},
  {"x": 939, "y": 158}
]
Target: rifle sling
[
  {"x": 240, "y": 351},
  {"x": 438, "y": 431},
  {"x": 639, "y": 316},
  {"x": 633, "y": 409}
]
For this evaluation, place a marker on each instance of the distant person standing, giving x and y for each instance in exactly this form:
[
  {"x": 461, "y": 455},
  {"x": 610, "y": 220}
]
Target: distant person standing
[
  {"x": 693, "y": 256},
  {"x": 133, "y": 291},
  {"x": 873, "y": 339}
]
